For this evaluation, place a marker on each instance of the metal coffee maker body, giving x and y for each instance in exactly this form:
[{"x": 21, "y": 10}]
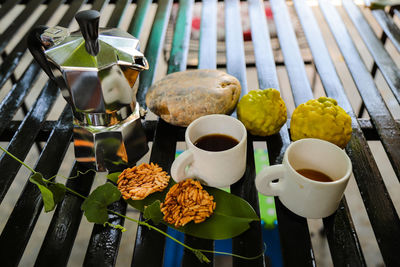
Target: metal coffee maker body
[{"x": 96, "y": 69}]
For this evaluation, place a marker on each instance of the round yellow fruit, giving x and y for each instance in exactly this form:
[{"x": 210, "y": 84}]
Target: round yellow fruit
[
  {"x": 262, "y": 112},
  {"x": 321, "y": 118}
]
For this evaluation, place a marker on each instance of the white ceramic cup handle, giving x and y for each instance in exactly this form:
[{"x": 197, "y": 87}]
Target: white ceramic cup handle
[
  {"x": 266, "y": 176},
  {"x": 179, "y": 165}
]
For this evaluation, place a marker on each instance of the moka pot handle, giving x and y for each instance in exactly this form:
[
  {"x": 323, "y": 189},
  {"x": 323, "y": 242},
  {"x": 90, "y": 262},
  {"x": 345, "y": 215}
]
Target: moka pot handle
[{"x": 37, "y": 49}]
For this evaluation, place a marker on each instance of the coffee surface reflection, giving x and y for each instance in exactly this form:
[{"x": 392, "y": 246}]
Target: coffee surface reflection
[
  {"x": 216, "y": 142},
  {"x": 315, "y": 175}
]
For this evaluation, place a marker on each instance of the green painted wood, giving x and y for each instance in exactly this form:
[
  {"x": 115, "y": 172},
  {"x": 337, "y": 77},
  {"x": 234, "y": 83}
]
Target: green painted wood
[
  {"x": 180, "y": 42},
  {"x": 153, "y": 48},
  {"x": 136, "y": 25}
]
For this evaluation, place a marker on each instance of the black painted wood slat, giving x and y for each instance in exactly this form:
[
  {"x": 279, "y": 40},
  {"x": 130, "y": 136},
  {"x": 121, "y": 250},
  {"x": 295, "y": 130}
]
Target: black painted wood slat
[
  {"x": 11, "y": 61},
  {"x": 388, "y": 26},
  {"x": 16, "y": 96},
  {"x": 293, "y": 230},
  {"x": 249, "y": 243},
  {"x": 118, "y": 13},
  {"x": 164, "y": 149},
  {"x": 162, "y": 153},
  {"x": 14, "y": 99},
  {"x": 27, "y": 210},
  {"x": 381, "y": 212},
  {"x": 24, "y": 137},
  {"x": 19, "y": 226},
  {"x": 104, "y": 240},
  {"x": 150, "y": 125},
  {"x": 383, "y": 60},
  {"x": 208, "y": 35},
  {"x": 376, "y": 107},
  {"x": 99, "y": 5},
  {"x": 18, "y": 22},
  {"x": 59, "y": 240},
  {"x": 70, "y": 13},
  {"x": 343, "y": 241},
  {"x": 368, "y": 129},
  {"x": 7, "y": 6}
]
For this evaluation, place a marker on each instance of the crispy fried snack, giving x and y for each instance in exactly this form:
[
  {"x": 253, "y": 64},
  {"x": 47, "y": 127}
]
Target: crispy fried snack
[
  {"x": 140, "y": 181},
  {"x": 187, "y": 201}
]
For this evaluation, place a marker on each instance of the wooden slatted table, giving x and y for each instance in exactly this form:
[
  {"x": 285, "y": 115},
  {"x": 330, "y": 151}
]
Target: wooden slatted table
[{"x": 296, "y": 246}]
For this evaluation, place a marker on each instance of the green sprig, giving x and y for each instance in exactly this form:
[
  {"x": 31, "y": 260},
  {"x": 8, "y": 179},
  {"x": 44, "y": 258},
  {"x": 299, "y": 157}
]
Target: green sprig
[{"x": 95, "y": 206}]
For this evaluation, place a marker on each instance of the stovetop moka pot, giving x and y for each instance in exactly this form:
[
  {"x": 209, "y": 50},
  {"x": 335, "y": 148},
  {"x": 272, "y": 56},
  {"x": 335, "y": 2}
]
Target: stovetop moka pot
[{"x": 96, "y": 69}]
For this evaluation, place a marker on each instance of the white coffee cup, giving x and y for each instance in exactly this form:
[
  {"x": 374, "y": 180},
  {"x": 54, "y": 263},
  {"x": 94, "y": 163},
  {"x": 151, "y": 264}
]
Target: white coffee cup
[
  {"x": 217, "y": 169},
  {"x": 303, "y": 196}
]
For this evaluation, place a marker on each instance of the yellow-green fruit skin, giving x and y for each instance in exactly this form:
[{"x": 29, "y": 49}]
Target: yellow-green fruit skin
[
  {"x": 321, "y": 118},
  {"x": 262, "y": 112}
]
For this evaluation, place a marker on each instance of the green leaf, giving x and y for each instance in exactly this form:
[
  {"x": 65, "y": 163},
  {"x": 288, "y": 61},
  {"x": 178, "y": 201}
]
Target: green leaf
[
  {"x": 153, "y": 212},
  {"x": 231, "y": 216},
  {"x": 113, "y": 177},
  {"x": 47, "y": 197},
  {"x": 37, "y": 179},
  {"x": 95, "y": 206},
  {"x": 47, "y": 194},
  {"x": 58, "y": 191}
]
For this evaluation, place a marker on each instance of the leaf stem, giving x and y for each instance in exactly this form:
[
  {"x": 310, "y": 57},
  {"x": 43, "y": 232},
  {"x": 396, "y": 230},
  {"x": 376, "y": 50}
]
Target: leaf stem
[
  {"x": 151, "y": 227},
  {"x": 197, "y": 252},
  {"x": 69, "y": 178},
  {"x": 76, "y": 193},
  {"x": 160, "y": 231},
  {"x": 233, "y": 255},
  {"x": 17, "y": 159}
]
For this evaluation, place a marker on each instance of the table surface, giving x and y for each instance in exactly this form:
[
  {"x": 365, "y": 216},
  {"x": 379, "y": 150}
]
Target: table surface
[{"x": 294, "y": 233}]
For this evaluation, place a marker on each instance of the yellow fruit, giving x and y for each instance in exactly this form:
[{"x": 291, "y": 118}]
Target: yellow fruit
[
  {"x": 321, "y": 118},
  {"x": 263, "y": 112}
]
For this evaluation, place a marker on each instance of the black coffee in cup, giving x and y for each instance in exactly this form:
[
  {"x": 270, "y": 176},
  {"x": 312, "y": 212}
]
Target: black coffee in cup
[
  {"x": 315, "y": 175},
  {"x": 216, "y": 142}
]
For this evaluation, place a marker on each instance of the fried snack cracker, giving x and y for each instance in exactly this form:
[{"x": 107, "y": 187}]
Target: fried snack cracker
[
  {"x": 187, "y": 201},
  {"x": 138, "y": 182}
]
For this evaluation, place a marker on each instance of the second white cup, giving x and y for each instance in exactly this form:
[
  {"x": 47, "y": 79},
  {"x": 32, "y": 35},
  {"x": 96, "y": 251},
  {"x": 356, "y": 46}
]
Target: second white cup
[
  {"x": 302, "y": 185},
  {"x": 212, "y": 168}
]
